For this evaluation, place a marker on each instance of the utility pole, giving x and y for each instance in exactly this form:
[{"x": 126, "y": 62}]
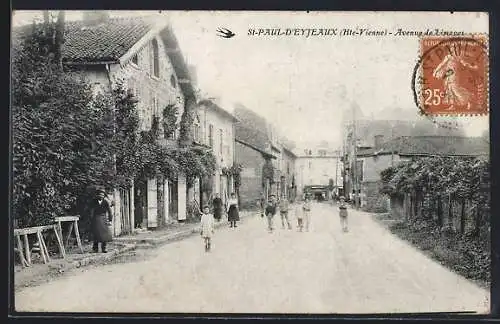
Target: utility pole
[
  {"x": 355, "y": 156},
  {"x": 337, "y": 168},
  {"x": 392, "y": 143}
]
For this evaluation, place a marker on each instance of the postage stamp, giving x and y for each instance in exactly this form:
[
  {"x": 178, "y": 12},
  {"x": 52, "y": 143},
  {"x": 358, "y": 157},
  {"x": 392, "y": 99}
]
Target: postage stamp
[{"x": 451, "y": 77}]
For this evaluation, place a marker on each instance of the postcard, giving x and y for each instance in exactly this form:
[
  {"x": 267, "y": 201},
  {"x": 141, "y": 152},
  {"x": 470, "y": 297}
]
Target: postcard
[{"x": 251, "y": 162}]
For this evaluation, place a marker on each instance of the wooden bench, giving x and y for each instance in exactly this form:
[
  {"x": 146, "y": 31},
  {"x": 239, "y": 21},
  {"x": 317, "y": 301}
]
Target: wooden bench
[
  {"x": 25, "y": 255},
  {"x": 73, "y": 226}
]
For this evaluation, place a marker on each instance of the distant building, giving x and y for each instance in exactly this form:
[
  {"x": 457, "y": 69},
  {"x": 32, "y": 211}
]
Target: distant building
[{"x": 317, "y": 166}]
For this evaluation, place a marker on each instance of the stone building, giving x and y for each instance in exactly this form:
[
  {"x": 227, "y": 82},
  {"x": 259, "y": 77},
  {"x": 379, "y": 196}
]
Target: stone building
[
  {"x": 254, "y": 152},
  {"x": 214, "y": 128}
]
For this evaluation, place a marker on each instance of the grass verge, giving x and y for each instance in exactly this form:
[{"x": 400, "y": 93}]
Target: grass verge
[{"x": 461, "y": 253}]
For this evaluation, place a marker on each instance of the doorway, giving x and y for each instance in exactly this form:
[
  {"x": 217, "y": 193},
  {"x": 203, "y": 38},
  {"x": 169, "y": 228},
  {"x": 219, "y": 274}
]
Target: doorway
[
  {"x": 172, "y": 199},
  {"x": 140, "y": 203}
]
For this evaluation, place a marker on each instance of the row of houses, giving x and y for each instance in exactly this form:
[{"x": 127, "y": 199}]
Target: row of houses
[{"x": 143, "y": 54}]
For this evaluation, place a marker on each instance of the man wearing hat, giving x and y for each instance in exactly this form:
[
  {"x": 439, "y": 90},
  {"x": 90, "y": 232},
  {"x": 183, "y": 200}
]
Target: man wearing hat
[{"x": 101, "y": 217}]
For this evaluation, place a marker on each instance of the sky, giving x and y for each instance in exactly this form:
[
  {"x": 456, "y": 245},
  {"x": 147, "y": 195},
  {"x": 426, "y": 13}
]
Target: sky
[{"x": 303, "y": 84}]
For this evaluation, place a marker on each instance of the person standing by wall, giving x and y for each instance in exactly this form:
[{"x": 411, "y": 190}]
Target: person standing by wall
[
  {"x": 217, "y": 205},
  {"x": 101, "y": 217},
  {"x": 262, "y": 202},
  {"x": 232, "y": 211}
]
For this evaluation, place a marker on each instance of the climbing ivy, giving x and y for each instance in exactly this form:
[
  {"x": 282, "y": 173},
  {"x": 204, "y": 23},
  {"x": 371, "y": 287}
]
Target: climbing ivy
[
  {"x": 432, "y": 181},
  {"x": 170, "y": 117}
]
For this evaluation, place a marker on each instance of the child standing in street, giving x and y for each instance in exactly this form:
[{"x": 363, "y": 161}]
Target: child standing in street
[
  {"x": 283, "y": 206},
  {"x": 343, "y": 214},
  {"x": 300, "y": 217},
  {"x": 270, "y": 211},
  {"x": 306, "y": 209},
  {"x": 207, "y": 227}
]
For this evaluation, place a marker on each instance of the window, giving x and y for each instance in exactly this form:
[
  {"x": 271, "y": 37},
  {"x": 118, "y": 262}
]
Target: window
[
  {"x": 156, "y": 61},
  {"x": 211, "y": 135},
  {"x": 135, "y": 59},
  {"x": 221, "y": 143},
  {"x": 173, "y": 82},
  {"x": 310, "y": 152}
]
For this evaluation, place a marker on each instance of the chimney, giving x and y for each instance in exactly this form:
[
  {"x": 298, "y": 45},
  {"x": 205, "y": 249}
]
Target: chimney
[
  {"x": 378, "y": 140},
  {"x": 95, "y": 17}
]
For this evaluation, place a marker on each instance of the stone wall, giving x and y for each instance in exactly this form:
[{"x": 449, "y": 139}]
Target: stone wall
[{"x": 251, "y": 175}]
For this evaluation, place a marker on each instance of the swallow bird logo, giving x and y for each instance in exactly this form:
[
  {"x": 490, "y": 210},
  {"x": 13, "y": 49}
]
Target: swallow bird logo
[{"x": 225, "y": 33}]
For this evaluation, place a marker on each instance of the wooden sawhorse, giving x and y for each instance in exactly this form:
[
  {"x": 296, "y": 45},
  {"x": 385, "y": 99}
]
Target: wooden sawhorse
[
  {"x": 73, "y": 225},
  {"x": 25, "y": 255}
]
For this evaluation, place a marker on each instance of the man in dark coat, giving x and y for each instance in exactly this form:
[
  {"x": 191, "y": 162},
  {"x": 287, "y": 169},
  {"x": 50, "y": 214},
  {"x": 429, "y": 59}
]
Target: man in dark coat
[
  {"x": 217, "y": 204},
  {"x": 100, "y": 220}
]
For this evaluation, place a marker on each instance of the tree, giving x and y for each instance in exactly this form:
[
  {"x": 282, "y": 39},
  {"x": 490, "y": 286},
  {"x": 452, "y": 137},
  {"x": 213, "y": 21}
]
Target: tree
[{"x": 59, "y": 133}]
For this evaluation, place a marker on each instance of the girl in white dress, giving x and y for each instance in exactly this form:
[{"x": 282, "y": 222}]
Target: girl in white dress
[{"x": 207, "y": 227}]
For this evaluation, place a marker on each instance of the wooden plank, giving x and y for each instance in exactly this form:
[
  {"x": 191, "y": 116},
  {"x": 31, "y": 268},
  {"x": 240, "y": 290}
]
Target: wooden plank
[
  {"x": 27, "y": 248},
  {"x": 40, "y": 244},
  {"x": 32, "y": 230},
  {"x": 60, "y": 242},
  {"x": 78, "y": 240},
  {"x": 20, "y": 251},
  {"x": 67, "y": 218}
]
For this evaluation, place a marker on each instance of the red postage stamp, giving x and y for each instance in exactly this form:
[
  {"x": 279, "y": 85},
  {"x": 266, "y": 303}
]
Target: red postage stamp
[{"x": 453, "y": 76}]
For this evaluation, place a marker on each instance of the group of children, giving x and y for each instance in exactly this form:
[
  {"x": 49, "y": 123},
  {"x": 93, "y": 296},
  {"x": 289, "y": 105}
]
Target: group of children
[{"x": 302, "y": 213}]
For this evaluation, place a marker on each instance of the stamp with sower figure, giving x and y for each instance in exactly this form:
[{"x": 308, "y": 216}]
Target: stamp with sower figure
[{"x": 451, "y": 76}]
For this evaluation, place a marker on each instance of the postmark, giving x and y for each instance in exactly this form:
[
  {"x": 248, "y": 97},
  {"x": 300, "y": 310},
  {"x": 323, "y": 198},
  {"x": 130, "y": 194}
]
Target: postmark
[{"x": 451, "y": 76}]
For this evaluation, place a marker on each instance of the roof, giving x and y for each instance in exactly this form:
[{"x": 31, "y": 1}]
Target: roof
[
  {"x": 104, "y": 42},
  {"x": 366, "y": 130},
  {"x": 252, "y": 137},
  {"x": 209, "y": 103},
  {"x": 116, "y": 38},
  {"x": 432, "y": 145},
  {"x": 289, "y": 151}
]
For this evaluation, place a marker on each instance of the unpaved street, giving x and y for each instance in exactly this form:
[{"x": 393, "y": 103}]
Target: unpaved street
[{"x": 366, "y": 270}]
